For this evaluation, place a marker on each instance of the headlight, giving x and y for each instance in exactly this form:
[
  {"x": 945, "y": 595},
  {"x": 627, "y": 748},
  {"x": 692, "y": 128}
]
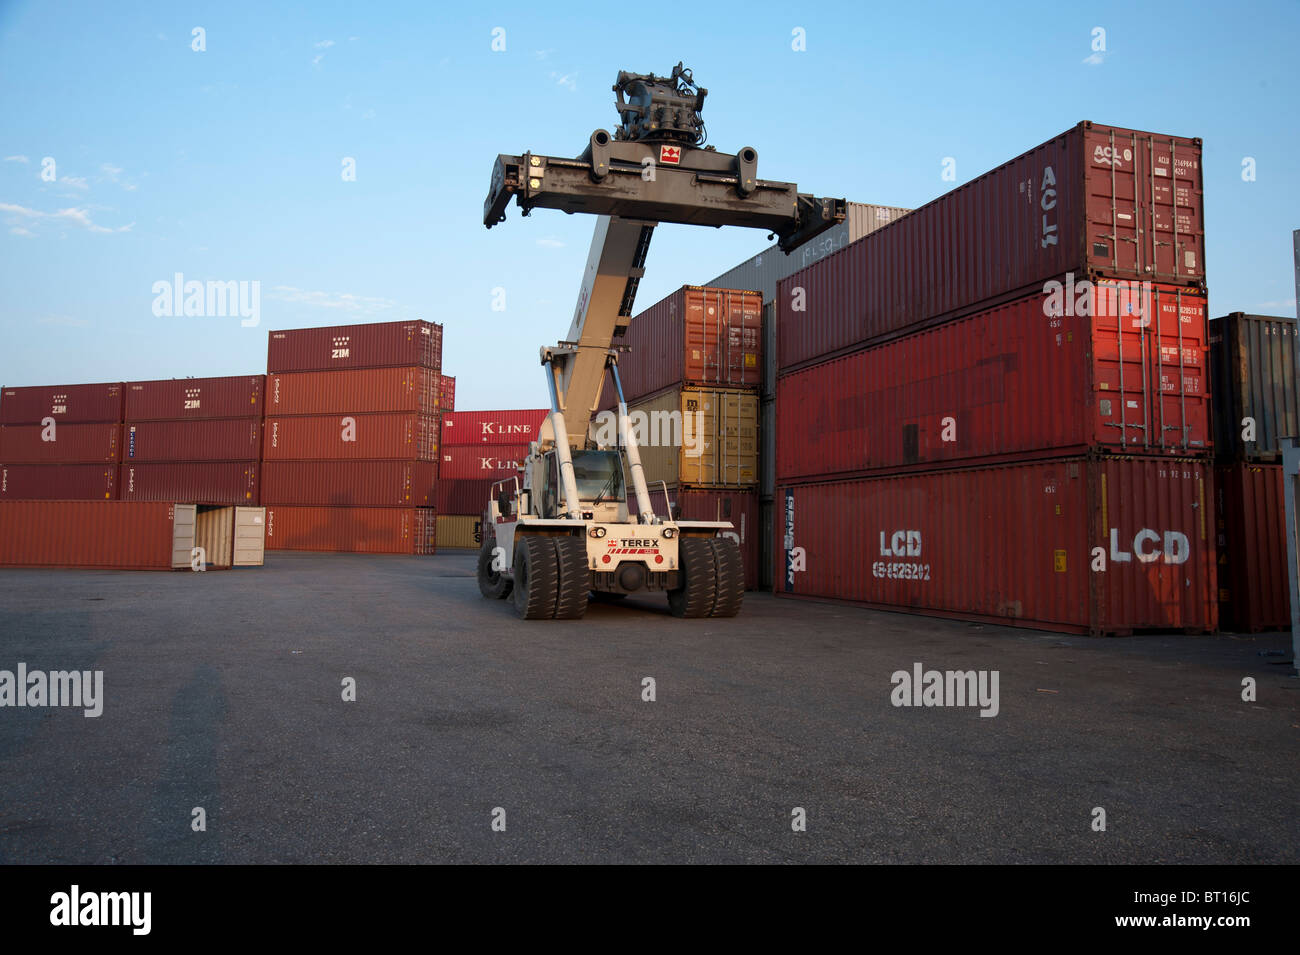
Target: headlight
[
  {"x": 669, "y": 533},
  {"x": 597, "y": 532}
]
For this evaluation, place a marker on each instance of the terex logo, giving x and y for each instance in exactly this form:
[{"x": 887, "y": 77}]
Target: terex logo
[
  {"x": 901, "y": 544},
  {"x": 1176, "y": 548},
  {"x": 633, "y": 542}
]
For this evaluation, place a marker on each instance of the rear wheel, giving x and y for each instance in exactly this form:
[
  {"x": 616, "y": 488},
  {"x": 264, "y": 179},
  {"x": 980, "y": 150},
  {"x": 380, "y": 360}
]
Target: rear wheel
[
  {"x": 695, "y": 597},
  {"x": 573, "y": 583},
  {"x": 730, "y": 577},
  {"x": 535, "y": 572},
  {"x": 491, "y": 583}
]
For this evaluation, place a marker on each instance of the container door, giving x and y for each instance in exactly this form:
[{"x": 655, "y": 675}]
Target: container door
[
  {"x": 250, "y": 536},
  {"x": 1180, "y": 404},
  {"x": 184, "y": 519}
]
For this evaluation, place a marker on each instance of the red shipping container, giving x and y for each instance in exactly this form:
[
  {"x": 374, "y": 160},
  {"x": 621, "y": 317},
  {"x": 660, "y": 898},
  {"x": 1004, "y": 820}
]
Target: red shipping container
[
  {"x": 201, "y": 482},
  {"x": 695, "y": 336},
  {"x": 1095, "y": 200},
  {"x": 357, "y": 391},
  {"x": 58, "y": 482},
  {"x": 482, "y": 463},
  {"x": 463, "y": 496},
  {"x": 708, "y": 504},
  {"x": 1254, "y": 593},
  {"x": 203, "y": 439},
  {"x": 1014, "y": 544},
  {"x": 351, "y": 483},
  {"x": 400, "y": 436},
  {"x": 447, "y": 401},
  {"x": 63, "y": 403},
  {"x": 239, "y": 396},
  {"x": 96, "y": 442},
  {"x": 1008, "y": 380},
  {"x": 375, "y": 345},
  {"x": 464, "y": 428},
  {"x": 357, "y": 530},
  {"x": 115, "y": 534}
]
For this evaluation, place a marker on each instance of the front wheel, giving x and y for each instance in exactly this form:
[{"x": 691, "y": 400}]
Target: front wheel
[
  {"x": 492, "y": 583},
  {"x": 699, "y": 584}
]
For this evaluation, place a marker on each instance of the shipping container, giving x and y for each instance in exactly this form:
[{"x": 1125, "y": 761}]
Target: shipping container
[
  {"x": 701, "y": 437},
  {"x": 695, "y": 336},
  {"x": 190, "y": 482},
  {"x": 1254, "y": 362},
  {"x": 204, "y": 439},
  {"x": 710, "y": 504},
  {"x": 79, "y": 404},
  {"x": 93, "y": 443},
  {"x": 447, "y": 398},
  {"x": 375, "y": 345},
  {"x": 1094, "y": 201},
  {"x": 1106, "y": 545},
  {"x": 464, "y": 428},
  {"x": 477, "y": 463},
  {"x": 239, "y": 396},
  {"x": 397, "y": 436},
  {"x": 350, "y": 483},
  {"x": 58, "y": 482},
  {"x": 111, "y": 534},
  {"x": 1254, "y": 593},
  {"x": 354, "y": 391},
  {"x": 356, "y": 530},
  {"x": 462, "y": 496},
  {"x": 1006, "y": 381},
  {"x": 460, "y": 531}
]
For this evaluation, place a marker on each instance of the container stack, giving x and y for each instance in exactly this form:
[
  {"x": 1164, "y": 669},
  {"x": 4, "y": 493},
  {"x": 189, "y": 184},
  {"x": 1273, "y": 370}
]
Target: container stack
[
  {"x": 691, "y": 373},
  {"x": 60, "y": 442},
  {"x": 196, "y": 440},
  {"x": 1254, "y": 360},
  {"x": 761, "y": 273},
  {"x": 479, "y": 448},
  {"x": 995, "y": 407},
  {"x": 350, "y": 440}
]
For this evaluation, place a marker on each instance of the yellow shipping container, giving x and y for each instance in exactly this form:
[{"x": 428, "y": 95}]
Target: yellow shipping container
[
  {"x": 699, "y": 437},
  {"x": 459, "y": 531}
]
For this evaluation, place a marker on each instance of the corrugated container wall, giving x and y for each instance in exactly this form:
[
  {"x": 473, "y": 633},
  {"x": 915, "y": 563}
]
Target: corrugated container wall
[
  {"x": 1255, "y": 360},
  {"x": 354, "y": 391},
  {"x": 58, "y": 482},
  {"x": 114, "y": 534},
  {"x": 460, "y": 531},
  {"x": 204, "y": 482},
  {"x": 463, "y": 496},
  {"x": 210, "y": 439},
  {"x": 401, "y": 436},
  {"x": 1008, "y": 380},
  {"x": 697, "y": 436},
  {"x": 359, "y": 530},
  {"x": 1251, "y": 511},
  {"x": 1095, "y": 200},
  {"x": 350, "y": 483},
  {"x": 1013, "y": 543},
  {"x": 377, "y": 345},
  {"x": 463, "y": 428},
  {"x": 447, "y": 399},
  {"x": 479, "y": 463},
  {"x": 64, "y": 403},
  {"x": 239, "y": 396},
  {"x": 96, "y": 443}
]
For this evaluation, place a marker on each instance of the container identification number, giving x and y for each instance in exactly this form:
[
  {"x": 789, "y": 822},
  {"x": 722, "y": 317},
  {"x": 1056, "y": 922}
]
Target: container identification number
[{"x": 900, "y": 570}]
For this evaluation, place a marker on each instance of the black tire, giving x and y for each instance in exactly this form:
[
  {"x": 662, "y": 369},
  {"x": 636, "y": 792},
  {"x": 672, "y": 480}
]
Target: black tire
[
  {"x": 493, "y": 584},
  {"x": 573, "y": 582},
  {"x": 695, "y": 597},
  {"x": 730, "y": 576},
  {"x": 534, "y": 590}
]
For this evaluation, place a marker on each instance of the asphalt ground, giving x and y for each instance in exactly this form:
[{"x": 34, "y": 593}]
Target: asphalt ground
[{"x": 224, "y": 690}]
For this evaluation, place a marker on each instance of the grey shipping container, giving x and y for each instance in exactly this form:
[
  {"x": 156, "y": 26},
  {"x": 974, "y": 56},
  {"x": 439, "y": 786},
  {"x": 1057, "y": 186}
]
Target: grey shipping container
[{"x": 1254, "y": 360}]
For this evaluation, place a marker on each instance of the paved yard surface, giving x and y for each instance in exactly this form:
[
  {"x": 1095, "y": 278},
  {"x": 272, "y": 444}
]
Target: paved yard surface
[{"x": 224, "y": 690}]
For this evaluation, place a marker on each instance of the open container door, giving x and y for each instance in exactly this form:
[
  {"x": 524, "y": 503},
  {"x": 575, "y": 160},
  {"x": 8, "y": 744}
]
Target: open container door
[{"x": 250, "y": 536}]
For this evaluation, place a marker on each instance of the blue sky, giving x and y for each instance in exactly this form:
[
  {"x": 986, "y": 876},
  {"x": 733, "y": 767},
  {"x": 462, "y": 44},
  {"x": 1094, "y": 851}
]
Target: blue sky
[{"x": 226, "y": 164}]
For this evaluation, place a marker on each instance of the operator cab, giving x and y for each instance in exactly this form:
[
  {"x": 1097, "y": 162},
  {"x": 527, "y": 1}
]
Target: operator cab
[{"x": 601, "y": 489}]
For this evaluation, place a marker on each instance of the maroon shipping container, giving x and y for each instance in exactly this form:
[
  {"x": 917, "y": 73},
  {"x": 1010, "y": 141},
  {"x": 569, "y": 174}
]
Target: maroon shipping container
[
  {"x": 447, "y": 400},
  {"x": 1008, "y": 380},
  {"x": 489, "y": 463},
  {"x": 1253, "y": 590},
  {"x": 708, "y": 504},
  {"x": 95, "y": 443},
  {"x": 204, "y": 439},
  {"x": 239, "y": 396},
  {"x": 695, "y": 336},
  {"x": 377, "y": 345},
  {"x": 464, "y": 428},
  {"x": 1095, "y": 200},
  {"x": 351, "y": 483},
  {"x": 463, "y": 496},
  {"x": 63, "y": 403},
  {"x": 1013, "y": 543},
  {"x": 201, "y": 482},
  {"x": 58, "y": 482},
  {"x": 358, "y": 391},
  {"x": 400, "y": 436},
  {"x": 357, "y": 530},
  {"x": 114, "y": 534}
]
